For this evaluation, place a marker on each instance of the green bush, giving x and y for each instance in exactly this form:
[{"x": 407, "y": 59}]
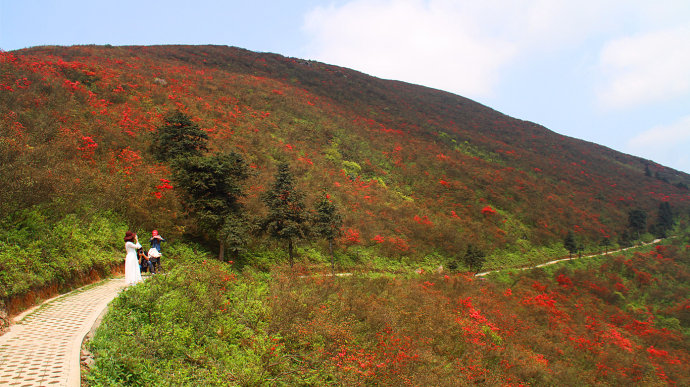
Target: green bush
[
  {"x": 198, "y": 325},
  {"x": 38, "y": 249}
]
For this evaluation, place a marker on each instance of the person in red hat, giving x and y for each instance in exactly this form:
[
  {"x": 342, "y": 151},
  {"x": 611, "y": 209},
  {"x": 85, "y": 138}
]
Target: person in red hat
[
  {"x": 132, "y": 269},
  {"x": 156, "y": 240},
  {"x": 155, "y": 251}
]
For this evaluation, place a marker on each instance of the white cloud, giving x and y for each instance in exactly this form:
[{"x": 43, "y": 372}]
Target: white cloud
[
  {"x": 433, "y": 43},
  {"x": 468, "y": 46},
  {"x": 664, "y": 136},
  {"x": 649, "y": 67},
  {"x": 665, "y": 144},
  {"x": 459, "y": 46},
  {"x": 622, "y": 54}
]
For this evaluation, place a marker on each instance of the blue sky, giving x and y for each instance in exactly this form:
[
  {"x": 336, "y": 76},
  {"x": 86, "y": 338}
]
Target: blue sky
[{"x": 614, "y": 72}]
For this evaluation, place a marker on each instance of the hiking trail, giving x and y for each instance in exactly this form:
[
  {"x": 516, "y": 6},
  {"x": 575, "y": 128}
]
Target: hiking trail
[{"x": 43, "y": 345}]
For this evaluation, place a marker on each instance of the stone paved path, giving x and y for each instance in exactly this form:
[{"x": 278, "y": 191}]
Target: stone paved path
[{"x": 43, "y": 346}]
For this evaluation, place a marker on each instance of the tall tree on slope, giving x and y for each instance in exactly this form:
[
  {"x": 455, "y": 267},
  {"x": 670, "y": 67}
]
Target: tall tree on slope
[
  {"x": 287, "y": 219},
  {"x": 213, "y": 189},
  {"x": 178, "y": 137},
  {"x": 327, "y": 223}
]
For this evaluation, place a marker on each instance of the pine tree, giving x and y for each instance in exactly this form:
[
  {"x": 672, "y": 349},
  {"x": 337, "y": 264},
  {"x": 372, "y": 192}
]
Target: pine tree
[
  {"x": 664, "y": 219},
  {"x": 474, "y": 258},
  {"x": 569, "y": 243},
  {"x": 606, "y": 242},
  {"x": 327, "y": 223},
  {"x": 212, "y": 189},
  {"x": 235, "y": 233},
  {"x": 286, "y": 219},
  {"x": 637, "y": 220},
  {"x": 178, "y": 137}
]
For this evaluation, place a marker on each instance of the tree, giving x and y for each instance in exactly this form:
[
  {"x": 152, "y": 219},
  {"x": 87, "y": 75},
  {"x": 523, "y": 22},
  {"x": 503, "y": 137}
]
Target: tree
[
  {"x": 235, "y": 233},
  {"x": 664, "y": 219},
  {"x": 212, "y": 188},
  {"x": 625, "y": 238},
  {"x": 580, "y": 249},
  {"x": 286, "y": 219},
  {"x": 178, "y": 137},
  {"x": 474, "y": 258},
  {"x": 327, "y": 223},
  {"x": 637, "y": 221},
  {"x": 606, "y": 242},
  {"x": 570, "y": 244}
]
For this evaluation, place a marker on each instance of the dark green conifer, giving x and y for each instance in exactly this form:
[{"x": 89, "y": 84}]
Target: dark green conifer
[
  {"x": 327, "y": 223},
  {"x": 286, "y": 219},
  {"x": 637, "y": 221},
  {"x": 664, "y": 219},
  {"x": 178, "y": 137},
  {"x": 569, "y": 243},
  {"x": 606, "y": 242},
  {"x": 212, "y": 188},
  {"x": 474, "y": 258}
]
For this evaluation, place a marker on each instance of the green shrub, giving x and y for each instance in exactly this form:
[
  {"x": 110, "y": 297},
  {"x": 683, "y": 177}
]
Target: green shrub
[
  {"x": 38, "y": 249},
  {"x": 198, "y": 325}
]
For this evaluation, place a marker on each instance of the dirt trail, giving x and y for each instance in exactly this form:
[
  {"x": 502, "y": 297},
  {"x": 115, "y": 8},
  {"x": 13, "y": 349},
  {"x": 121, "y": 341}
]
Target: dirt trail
[{"x": 565, "y": 259}]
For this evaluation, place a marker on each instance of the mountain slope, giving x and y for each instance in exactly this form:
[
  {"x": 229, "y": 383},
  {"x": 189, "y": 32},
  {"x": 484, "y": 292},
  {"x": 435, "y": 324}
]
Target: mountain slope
[{"x": 414, "y": 170}]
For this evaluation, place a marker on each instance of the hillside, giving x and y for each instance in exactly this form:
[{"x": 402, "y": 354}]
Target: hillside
[
  {"x": 414, "y": 170},
  {"x": 607, "y": 321}
]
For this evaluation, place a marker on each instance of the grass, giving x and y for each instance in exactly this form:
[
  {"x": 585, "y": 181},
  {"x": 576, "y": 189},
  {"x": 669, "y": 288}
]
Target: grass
[{"x": 583, "y": 322}]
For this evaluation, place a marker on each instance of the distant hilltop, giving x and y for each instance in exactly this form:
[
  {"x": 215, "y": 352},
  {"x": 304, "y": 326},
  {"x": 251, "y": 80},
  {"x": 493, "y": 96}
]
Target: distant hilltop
[{"x": 414, "y": 170}]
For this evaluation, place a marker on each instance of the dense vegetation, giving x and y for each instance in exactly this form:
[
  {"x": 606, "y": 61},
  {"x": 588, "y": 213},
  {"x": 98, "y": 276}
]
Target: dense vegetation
[
  {"x": 264, "y": 157},
  {"x": 616, "y": 320},
  {"x": 43, "y": 251},
  {"x": 414, "y": 171}
]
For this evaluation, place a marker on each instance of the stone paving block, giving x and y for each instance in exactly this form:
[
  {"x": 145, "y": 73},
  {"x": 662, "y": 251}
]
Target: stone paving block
[{"x": 43, "y": 347}]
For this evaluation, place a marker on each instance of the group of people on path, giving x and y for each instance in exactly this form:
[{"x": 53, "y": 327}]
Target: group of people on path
[{"x": 137, "y": 261}]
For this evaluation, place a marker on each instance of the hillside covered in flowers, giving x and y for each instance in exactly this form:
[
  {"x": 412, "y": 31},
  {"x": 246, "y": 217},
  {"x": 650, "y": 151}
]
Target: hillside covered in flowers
[
  {"x": 621, "y": 319},
  {"x": 414, "y": 171}
]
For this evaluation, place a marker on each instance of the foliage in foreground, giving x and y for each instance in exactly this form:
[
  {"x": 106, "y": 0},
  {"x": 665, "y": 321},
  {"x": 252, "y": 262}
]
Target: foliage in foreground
[
  {"x": 623, "y": 321},
  {"x": 197, "y": 325},
  {"x": 39, "y": 249}
]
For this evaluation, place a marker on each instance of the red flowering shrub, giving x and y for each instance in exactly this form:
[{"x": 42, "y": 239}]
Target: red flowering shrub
[
  {"x": 351, "y": 237},
  {"x": 538, "y": 286},
  {"x": 88, "y": 148},
  {"x": 488, "y": 210},
  {"x": 621, "y": 288},
  {"x": 564, "y": 281}
]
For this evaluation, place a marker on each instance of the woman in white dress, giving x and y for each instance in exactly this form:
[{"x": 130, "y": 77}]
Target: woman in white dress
[{"x": 132, "y": 270}]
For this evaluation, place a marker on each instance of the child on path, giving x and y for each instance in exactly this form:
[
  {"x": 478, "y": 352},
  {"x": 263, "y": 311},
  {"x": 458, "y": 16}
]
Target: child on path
[{"x": 144, "y": 262}]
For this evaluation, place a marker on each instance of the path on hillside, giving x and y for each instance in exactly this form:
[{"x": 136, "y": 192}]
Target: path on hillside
[
  {"x": 566, "y": 259},
  {"x": 43, "y": 346}
]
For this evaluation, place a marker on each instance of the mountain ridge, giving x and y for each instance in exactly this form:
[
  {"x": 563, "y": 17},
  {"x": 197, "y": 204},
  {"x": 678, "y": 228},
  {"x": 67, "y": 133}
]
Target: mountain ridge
[{"x": 413, "y": 168}]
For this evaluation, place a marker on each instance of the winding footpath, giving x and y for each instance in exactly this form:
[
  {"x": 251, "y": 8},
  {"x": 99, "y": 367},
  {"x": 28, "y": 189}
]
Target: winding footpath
[
  {"x": 43, "y": 346},
  {"x": 566, "y": 259}
]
